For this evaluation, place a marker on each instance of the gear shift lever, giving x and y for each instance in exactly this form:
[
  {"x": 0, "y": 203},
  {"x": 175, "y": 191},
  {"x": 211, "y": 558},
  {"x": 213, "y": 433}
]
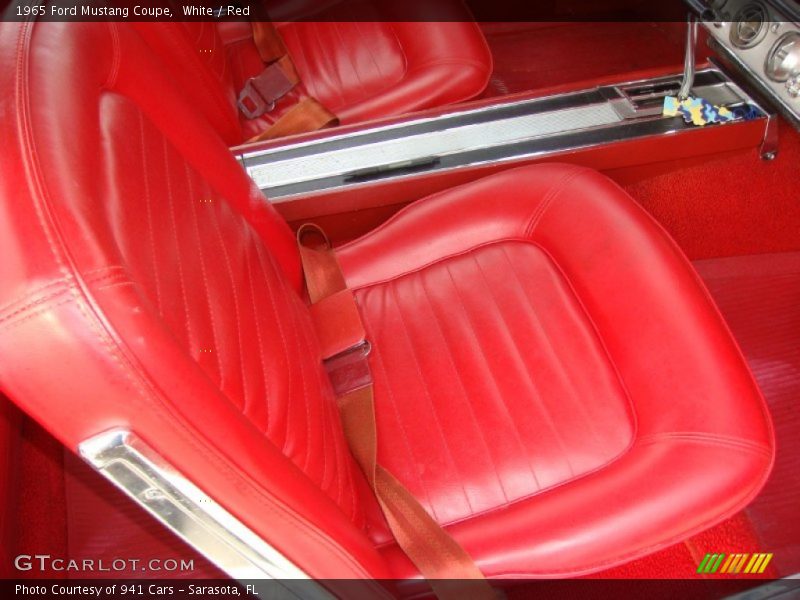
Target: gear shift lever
[{"x": 689, "y": 58}]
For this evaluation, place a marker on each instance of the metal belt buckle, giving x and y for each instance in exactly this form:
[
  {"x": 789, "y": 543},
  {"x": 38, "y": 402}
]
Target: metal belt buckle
[
  {"x": 251, "y": 103},
  {"x": 349, "y": 370},
  {"x": 261, "y": 92}
]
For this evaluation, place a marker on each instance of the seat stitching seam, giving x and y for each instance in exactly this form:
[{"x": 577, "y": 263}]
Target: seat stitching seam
[
  {"x": 29, "y": 305},
  {"x": 296, "y": 337},
  {"x": 215, "y": 220},
  {"x": 308, "y": 86},
  {"x": 31, "y": 301},
  {"x": 375, "y": 63},
  {"x": 30, "y": 158},
  {"x": 54, "y": 302},
  {"x": 113, "y": 284},
  {"x": 442, "y": 259},
  {"x": 37, "y": 290},
  {"x": 554, "y": 192},
  {"x": 178, "y": 262},
  {"x": 307, "y": 343},
  {"x": 204, "y": 276},
  {"x": 304, "y": 338},
  {"x": 402, "y": 51},
  {"x": 537, "y": 392},
  {"x": 378, "y": 356},
  {"x": 503, "y": 403},
  {"x": 466, "y": 399},
  {"x": 551, "y": 347},
  {"x": 601, "y": 341},
  {"x": 149, "y": 210},
  {"x": 248, "y": 268},
  {"x": 116, "y": 54},
  {"x": 335, "y": 479},
  {"x": 423, "y": 381},
  {"x": 485, "y": 359},
  {"x": 704, "y": 437},
  {"x": 340, "y": 87},
  {"x": 356, "y": 72},
  {"x": 284, "y": 344},
  {"x": 295, "y": 329}
]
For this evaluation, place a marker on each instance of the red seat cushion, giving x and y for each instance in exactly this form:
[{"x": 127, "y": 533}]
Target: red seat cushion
[
  {"x": 365, "y": 69},
  {"x": 552, "y": 380}
]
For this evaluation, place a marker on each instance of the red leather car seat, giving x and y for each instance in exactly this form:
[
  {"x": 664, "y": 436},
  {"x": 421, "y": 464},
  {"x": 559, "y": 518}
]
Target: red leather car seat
[
  {"x": 552, "y": 380},
  {"x": 359, "y": 70}
]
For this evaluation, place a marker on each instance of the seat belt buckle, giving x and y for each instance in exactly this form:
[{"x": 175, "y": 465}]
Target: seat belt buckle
[
  {"x": 349, "y": 370},
  {"x": 261, "y": 92}
]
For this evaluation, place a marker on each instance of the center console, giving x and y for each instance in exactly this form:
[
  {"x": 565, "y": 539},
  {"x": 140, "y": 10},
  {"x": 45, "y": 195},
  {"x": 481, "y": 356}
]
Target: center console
[{"x": 605, "y": 127}]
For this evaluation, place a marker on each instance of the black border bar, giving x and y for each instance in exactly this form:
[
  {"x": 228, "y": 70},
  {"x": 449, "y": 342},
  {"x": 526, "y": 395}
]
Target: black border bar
[{"x": 381, "y": 10}]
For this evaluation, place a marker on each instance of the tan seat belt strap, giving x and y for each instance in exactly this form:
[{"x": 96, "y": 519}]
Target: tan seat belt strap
[
  {"x": 279, "y": 76},
  {"x": 307, "y": 115},
  {"x": 450, "y": 571}
]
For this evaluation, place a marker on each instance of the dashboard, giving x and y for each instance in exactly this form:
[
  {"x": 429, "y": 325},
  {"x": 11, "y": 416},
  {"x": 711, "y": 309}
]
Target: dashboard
[{"x": 762, "y": 39}]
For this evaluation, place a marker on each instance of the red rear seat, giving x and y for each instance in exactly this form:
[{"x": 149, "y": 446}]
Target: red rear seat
[{"x": 360, "y": 70}]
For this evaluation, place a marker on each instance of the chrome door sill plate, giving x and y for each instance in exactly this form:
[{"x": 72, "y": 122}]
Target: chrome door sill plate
[
  {"x": 498, "y": 133},
  {"x": 135, "y": 468}
]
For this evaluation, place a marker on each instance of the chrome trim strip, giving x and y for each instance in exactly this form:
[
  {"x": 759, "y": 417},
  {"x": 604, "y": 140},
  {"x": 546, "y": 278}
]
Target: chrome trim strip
[
  {"x": 584, "y": 144},
  {"x": 386, "y": 154},
  {"x": 554, "y": 102},
  {"x": 152, "y": 483},
  {"x": 495, "y": 134}
]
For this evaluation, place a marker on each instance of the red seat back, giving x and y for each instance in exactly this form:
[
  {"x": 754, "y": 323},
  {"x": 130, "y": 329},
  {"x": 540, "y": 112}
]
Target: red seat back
[{"x": 148, "y": 285}]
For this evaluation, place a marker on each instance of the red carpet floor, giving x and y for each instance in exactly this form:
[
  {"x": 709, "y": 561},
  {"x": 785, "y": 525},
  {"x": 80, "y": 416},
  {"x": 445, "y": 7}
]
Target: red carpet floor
[
  {"x": 759, "y": 296},
  {"x": 729, "y": 204}
]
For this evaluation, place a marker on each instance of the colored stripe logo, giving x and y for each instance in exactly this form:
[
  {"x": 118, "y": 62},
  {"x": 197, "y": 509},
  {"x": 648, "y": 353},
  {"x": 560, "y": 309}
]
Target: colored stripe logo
[{"x": 733, "y": 564}]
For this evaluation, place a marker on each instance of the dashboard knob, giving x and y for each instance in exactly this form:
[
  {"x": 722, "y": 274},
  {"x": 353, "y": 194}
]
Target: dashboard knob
[
  {"x": 749, "y": 25},
  {"x": 783, "y": 59}
]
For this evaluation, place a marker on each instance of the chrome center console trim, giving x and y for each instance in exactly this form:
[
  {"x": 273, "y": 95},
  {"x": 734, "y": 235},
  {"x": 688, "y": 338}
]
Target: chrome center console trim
[
  {"x": 152, "y": 483},
  {"x": 393, "y": 152},
  {"x": 507, "y": 131}
]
